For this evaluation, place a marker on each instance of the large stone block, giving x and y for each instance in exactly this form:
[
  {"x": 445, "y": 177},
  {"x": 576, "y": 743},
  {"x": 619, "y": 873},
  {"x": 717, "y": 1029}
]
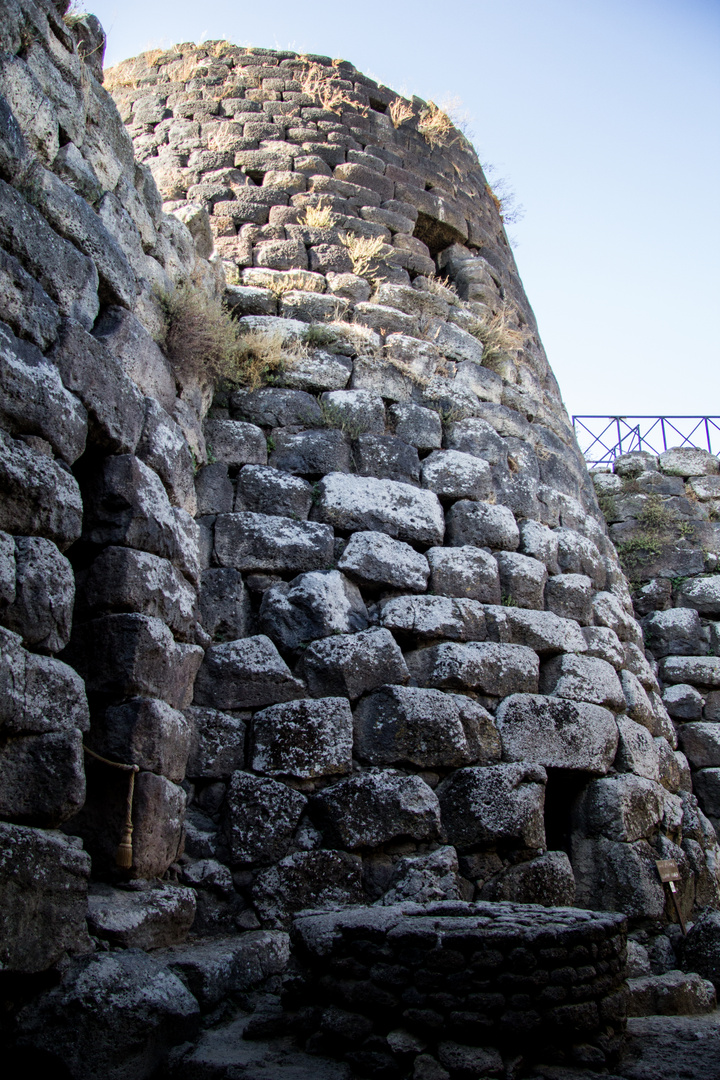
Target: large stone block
[
  {"x": 312, "y": 606},
  {"x": 350, "y": 503},
  {"x": 115, "y": 405},
  {"x": 420, "y": 427},
  {"x": 224, "y": 604},
  {"x": 375, "y": 807},
  {"x": 66, "y": 275},
  {"x": 264, "y": 542},
  {"x": 400, "y": 725},
  {"x": 33, "y": 400},
  {"x": 703, "y": 671},
  {"x": 707, "y": 787},
  {"x": 311, "y": 453},
  {"x": 477, "y": 437},
  {"x": 43, "y": 884},
  {"x": 675, "y": 632},
  {"x": 487, "y": 525},
  {"x": 217, "y": 743},
  {"x": 374, "y": 558},
  {"x": 605, "y": 644},
  {"x": 467, "y": 572},
  {"x": 702, "y": 594},
  {"x": 259, "y": 819},
  {"x": 141, "y": 358},
  {"x": 42, "y": 779},
  {"x": 42, "y": 607},
  {"x": 303, "y": 739},
  {"x": 38, "y": 694},
  {"x": 701, "y": 744},
  {"x": 497, "y": 804},
  {"x": 307, "y": 879},
  {"x": 547, "y": 880},
  {"x": 353, "y": 664},
  {"x": 454, "y": 475},
  {"x": 126, "y": 505},
  {"x": 557, "y": 734},
  {"x": 114, "y": 1016},
  {"x": 37, "y": 496},
  {"x": 274, "y": 407},
  {"x": 387, "y": 458},
  {"x": 164, "y": 447},
  {"x": 638, "y": 752},
  {"x": 577, "y": 554},
  {"x": 122, "y": 579},
  {"x": 688, "y": 461},
  {"x": 124, "y": 656},
  {"x": 264, "y": 490},
  {"x": 583, "y": 678},
  {"x": 147, "y": 919},
  {"x": 701, "y": 949},
  {"x": 541, "y": 543},
  {"x": 492, "y": 668},
  {"x": 243, "y": 674},
  {"x": 236, "y": 443},
  {"x": 423, "y": 879},
  {"x": 542, "y": 631},
  {"x": 615, "y": 876},
  {"x": 570, "y": 597},
  {"x": 624, "y": 808},
  {"x": 145, "y": 732},
  {"x": 434, "y": 617},
  {"x": 216, "y": 968},
  {"x": 522, "y": 579}
]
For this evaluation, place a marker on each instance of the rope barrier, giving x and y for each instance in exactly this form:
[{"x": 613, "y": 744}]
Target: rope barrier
[{"x": 124, "y": 854}]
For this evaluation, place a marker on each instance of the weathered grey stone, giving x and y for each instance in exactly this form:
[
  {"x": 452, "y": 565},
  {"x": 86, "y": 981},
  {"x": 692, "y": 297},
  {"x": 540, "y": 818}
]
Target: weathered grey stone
[
  {"x": 608, "y": 611},
  {"x": 148, "y": 733},
  {"x": 676, "y": 632},
  {"x": 260, "y": 817},
  {"x": 353, "y": 664},
  {"x": 126, "y": 504},
  {"x": 44, "y": 591},
  {"x": 487, "y": 525},
  {"x": 494, "y": 804},
  {"x": 702, "y": 594},
  {"x": 399, "y": 725},
  {"x": 464, "y": 572},
  {"x": 711, "y": 710},
  {"x": 33, "y": 400},
  {"x": 264, "y": 542},
  {"x": 683, "y": 702},
  {"x": 477, "y": 437},
  {"x": 217, "y": 743},
  {"x": 634, "y": 463},
  {"x": 617, "y": 876},
  {"x": 416, "y": 425},
  {"x": 423, "y": 879},
  {"x": 214, "y": 969},
  {"x": 623, "y": 808},
  {"x": 66, "y": 275},
  {"x": 126, "y": 655},
  {"x": 245, "y": 674},
  {"x": 637, "y": 702},
  {"x": 579, "y": 555},
  {"x": 701, "y": 744},
  {"x": 115, "y": 405},
  {"x": 490, "y": 667},
  {"x": 605, "y": 644},
  {"x": 121, "y": 579},
  {"x": 236, "y": 443},
  {"x": 37, "y": 496},
  {"x": 540, "y": 542},
  {"x": 701, "y": 949},
  {"x": 213, "y": 490},
  {"x": 146, "y": 919},
  {"x": 304, "y": 739},
  {"x": 42, "y": 780},
  {"x": 350, "y": 503},
  {"x": 356, "y": 411},
  {"x": 386, "y": 458},
  {"x": 319, "y": 371},
  {"x": 696, "y": 670},
  {"x": 672, "y": 994},
  {"x": 43, "y": 882},
  {"x": 7, "y": 569},
  {"x": 547, "y": 880},
  {"x": 311, "y": 453},
  {"x": 140, "y": 357},
  {"x": 223, "y": 603},
  {"x": 376, "y": 559},
  {"x": 312, "y": 606},
  {"x": 164, "y": 448},
  {"x": 38, "y": 694},
  {"x": 127, "y": 1012},
  {"x": 688, "y": 461},
  {"x": 454, "y": 475},
  {"x": 522, "y": 579},
  {"x": 706, "y": 783},
  {"x": 557, "y": 734},
  {"x": 583, "y": 678},
  {"x": 542, "y": 631},
  {"x": 434, "y": 617},
  {"x": 637, "y": 750},
  {"x": 375, "y": 807},
  {"x": 265, "y": 490},
  {"x": 307, "y": 879},
  {"x": 570, "y": 597}
]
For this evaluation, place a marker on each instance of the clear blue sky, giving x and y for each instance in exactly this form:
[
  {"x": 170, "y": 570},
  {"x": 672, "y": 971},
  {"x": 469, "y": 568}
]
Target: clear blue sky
[{"x": 604, "y": 115}]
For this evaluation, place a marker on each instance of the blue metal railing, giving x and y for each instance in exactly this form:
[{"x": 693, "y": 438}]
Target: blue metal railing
[{"x": 603, "y": 438}]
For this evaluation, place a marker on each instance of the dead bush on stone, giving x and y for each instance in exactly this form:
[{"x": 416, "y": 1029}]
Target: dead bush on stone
[
  {"x": 363, "y": 250},
  {"x": 435, "y": 125},
  {"x": 322, "y": 84},
  {"x": 498, "y": 336},
  {"x": 317, "y": 217},
  {"x": 399, "y": 111}
]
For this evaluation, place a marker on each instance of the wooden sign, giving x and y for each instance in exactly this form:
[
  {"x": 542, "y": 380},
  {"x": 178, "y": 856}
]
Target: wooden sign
[{"x": 668, "y": 870}]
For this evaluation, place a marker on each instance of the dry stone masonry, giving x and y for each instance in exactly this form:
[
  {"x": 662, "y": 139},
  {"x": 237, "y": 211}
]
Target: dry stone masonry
[{"x": 355, "y": 627}]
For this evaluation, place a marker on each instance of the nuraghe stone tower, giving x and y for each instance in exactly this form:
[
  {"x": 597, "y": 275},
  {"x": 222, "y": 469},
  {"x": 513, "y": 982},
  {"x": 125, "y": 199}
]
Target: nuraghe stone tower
[{"x": 355, "y": 631}]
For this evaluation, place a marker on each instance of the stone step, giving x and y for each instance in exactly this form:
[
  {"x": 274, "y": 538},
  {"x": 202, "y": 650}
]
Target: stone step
[{"x": 675, "y": 993}]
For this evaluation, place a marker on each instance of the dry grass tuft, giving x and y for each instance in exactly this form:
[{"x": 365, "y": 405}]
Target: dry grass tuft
[
  {"x": 399, "y": 111},
  {"x": 435, "y": 125},
  {"x": 444, "y": 288},
  {"x": 74, "y": 14},
  {"x": 363, "y": 251},
  {"x": 499, "y": 338},
  {"x": 202, "y": 340},
  {"x": 317, "y": 217},
  {"x": 321, "y": 83}
]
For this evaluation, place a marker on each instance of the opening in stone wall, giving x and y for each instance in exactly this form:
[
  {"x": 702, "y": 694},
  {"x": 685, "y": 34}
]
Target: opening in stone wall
[
  {"x": 435, "y": 234},
  {"x": 561, "y": 792}
]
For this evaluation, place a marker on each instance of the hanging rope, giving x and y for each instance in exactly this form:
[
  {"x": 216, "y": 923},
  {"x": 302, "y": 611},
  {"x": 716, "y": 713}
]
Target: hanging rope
[{"x": 124, "y": 854}]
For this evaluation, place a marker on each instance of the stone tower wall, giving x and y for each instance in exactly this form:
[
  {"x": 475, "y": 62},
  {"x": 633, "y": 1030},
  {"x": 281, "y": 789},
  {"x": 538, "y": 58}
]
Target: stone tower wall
[{"x": 393, "y": 656}]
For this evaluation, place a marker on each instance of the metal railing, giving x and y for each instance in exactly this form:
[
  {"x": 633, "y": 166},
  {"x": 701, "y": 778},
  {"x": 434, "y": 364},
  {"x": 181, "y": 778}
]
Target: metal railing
[{"x": 604, "y": 438}]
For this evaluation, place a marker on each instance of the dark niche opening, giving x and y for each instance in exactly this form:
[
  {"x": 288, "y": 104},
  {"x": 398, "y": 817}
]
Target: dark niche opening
[
  {"x": 561, "y": 793},
  {"x": 436, "y": 234},
  {"x": 378, "y": 106}
]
